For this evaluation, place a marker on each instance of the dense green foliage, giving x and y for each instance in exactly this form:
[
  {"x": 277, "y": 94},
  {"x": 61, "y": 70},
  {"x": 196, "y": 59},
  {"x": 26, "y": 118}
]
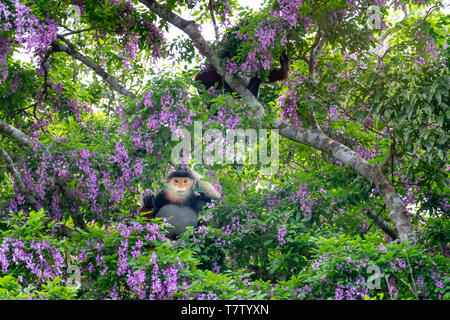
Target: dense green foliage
[{"x": 105, "y": 115}]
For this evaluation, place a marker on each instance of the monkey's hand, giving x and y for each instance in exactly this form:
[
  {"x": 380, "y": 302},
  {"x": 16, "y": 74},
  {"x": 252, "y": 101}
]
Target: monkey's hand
[{"x": 197, "y": 176}]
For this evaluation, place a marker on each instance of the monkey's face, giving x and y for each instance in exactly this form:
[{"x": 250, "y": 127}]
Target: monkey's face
[{"x": 179, "y": 188}]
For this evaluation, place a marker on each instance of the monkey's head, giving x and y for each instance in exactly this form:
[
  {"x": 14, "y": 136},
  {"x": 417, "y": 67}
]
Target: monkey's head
[{"x": 179, "y": 185}]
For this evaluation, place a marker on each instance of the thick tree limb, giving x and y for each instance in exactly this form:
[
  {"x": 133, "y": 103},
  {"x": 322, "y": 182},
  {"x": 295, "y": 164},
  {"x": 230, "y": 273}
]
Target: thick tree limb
[
  {"x": 70, "y": 50},
  {"x": 386, "y": 227},
  {"x": 76, "y": 216}
]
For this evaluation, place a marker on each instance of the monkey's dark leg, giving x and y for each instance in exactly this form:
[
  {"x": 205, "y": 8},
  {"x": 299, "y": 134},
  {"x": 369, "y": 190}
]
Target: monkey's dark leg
[{"x": 253, "y": 86}]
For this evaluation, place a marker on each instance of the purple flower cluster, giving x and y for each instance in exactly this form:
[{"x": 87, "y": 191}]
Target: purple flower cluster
[
  {"x": 352, "y": 291},
  {"x": 289, "y": 11},
  {"x": 42, "y": 260},
  {"x": 154, "y": 38},
  {"x": 398, "y": 264},
  {"x": 33, "y": 34},
  {"x": 303, "y": 291},
  {"x": 164, "y": 281},
  {"x": 231, "y": 67},
  {"x": 289, "y": 105},
  {"x": 226, "y": 117},
  {"x": 101, "y": 183},
  {"x": 282, "y": 234},
  {"x": 136, "y": 282},
  {"x": 334, "y": 113},
  {"x": 302, "y": 198},
  {"x": 5, "y": 50},
  {"x": 438, "y": 279},
  {"x": 323, "y": 259},
  {"x": 130, "y": 47},
  {"x": 234, "y": 226},
  {"x": 168, "y": 109},
  {"x": 147, "y": 280},
  {"x": 267, "y": 35},
  {"x": 125, "y": 28},
  {"x": 77, "y": 108},
  {"x": 393, "y": 291}
]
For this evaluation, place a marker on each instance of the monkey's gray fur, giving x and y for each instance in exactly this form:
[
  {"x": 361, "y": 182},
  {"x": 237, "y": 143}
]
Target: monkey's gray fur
[{"x": 179, "y": 217}]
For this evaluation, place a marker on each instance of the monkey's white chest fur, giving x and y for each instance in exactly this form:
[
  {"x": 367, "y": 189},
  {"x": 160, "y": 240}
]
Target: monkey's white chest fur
[{"x": 179, "y": 217}]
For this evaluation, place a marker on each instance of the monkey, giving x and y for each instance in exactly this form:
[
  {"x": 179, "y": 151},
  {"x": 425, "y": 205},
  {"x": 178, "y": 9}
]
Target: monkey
[
  {"x": 210, "y": 78},
  {"x": 178, "y": 203}
]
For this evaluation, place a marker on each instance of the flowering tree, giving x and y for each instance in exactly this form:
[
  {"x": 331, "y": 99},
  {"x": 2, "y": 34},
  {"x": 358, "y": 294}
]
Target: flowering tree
[{"x": 87, "y": 120}]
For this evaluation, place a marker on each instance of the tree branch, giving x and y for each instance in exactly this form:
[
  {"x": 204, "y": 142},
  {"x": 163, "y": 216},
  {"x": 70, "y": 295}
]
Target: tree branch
[
  {"x": 75, "y": 32},
  {"x": 69, "y": 48},
  {"x": 378, "y": 214},
  {"x": 386, "y": 227},
  {"x": 60, "y": 229},
  {"x": 320, "y": 141},
  {"x": 315, "y": 49}
]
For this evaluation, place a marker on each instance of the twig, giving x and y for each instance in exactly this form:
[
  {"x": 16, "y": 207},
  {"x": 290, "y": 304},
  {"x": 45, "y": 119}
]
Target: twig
[
  {"x": 69, "y": 48},
  {"x": 213, "y": 18},
  {"x": 389, "y": 156},
  {"x": 75, "y": 32}
]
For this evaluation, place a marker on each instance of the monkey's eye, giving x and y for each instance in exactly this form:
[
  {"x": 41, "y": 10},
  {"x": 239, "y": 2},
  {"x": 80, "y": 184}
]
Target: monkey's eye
[
  {"x": 176, "y": 180},
  {"x": 185, "y": 181}
]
